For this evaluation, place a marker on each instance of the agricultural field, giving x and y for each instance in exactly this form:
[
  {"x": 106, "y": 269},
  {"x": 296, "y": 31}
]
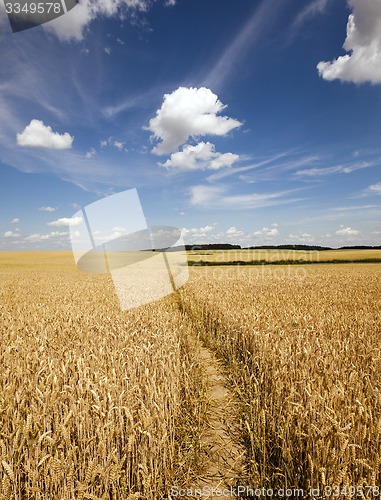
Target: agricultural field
[
  {"x": 282, "y": 256},
  {"x": 303, "y": 351},
  {"x": 99, "y": 403},
  {"x": 94, "y": 402}
]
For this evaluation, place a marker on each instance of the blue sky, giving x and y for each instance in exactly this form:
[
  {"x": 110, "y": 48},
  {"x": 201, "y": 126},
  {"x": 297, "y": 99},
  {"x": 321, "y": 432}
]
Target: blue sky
[{"x": 245, "y": 121}]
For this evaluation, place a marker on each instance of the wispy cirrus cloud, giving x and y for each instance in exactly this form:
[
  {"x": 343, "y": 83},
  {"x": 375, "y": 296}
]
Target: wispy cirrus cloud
[
  {"x": 235, "y": 53},
  {"x": 372, "y": 190},
  {"x": 307, "y": 12},
  {"x": 238, "y": 170},
  {"x": 336, "y": 169},
  {"x": 219, "y": 197},
  {"x": 375, "y": 188}
]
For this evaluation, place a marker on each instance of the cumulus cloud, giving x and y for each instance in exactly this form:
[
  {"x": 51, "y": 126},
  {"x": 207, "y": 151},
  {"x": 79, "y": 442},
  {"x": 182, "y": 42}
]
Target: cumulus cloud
[
  {"x": 363, "y": 44},
  {"x": 200, "y": 157},
  {"x": 347, "y": 231},
  {"x": 47, "y": 209},
  {"x": 73, "y": 221},
  {"x": 11, "y": 234},
  {"x": 120, "y": 145},
  {"x": 188, "y": 112},
  {"x": 15, "y": 221},
  {"x": 72, "y": 26},
  {"x": 268, "y": 232},
  {"x": 302, "y": 238},
  {"x": 233, "y": 232},
  {"x": 39, "y": 135},
  {"x": 198, "y": 232},
  {"x": 35, "y": 237}
]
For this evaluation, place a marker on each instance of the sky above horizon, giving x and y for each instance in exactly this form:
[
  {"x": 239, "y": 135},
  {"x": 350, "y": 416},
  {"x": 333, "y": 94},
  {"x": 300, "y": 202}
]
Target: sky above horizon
[{"x": 248, "y": 122}]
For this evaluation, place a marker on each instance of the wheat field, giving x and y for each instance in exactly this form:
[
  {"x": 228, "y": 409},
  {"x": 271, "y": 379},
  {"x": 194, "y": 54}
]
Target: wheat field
[
  {"x": 303, "y": 352},
  {"x": 282, "y": 255},
  {"x": 97, "y": 403}
]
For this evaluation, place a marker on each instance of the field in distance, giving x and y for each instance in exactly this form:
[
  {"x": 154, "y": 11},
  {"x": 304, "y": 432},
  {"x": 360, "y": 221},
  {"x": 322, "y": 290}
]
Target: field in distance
[
  {"x": 63, "y": 260},
  {"x": 283, "y": 255}
]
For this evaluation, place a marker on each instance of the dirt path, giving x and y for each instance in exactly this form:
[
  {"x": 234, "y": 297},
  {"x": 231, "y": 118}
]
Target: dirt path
[{"x": 225, "y": 457}]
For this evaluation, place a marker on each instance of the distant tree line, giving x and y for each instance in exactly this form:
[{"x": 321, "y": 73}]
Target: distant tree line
[
  {"x": 228, "y": 246},
  {"x": 213, "y": 246},
  {"x": 289, "y": 247}
]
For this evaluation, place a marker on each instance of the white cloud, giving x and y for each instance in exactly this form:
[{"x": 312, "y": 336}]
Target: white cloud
[
  {"x": 375, "y": 188},
  {"x": 120, "y": 145},
  {"x": 188, "y": 112},
  {"x": 90, "y": 153},
  {"x": 39, "y": 135},
  {"x": 15, "y": 221},
  {"x": 73, "y": 24},
  {"x": 302, "y": 237},
  {"x": 233, "y": 232},
  {"x": 41, "y": 237},
  {"x": 73, "y": 221},
  {"x": 200, "y": 157},
  {"x": 117, "y": 144},
  {"x": 11, "y": 234},
  {"x": 198, "y": 232},
  {"x": 249, "y": 35},
  {"x": 267, "y": 232},
  {"x": 47, "y": 209},
  {"x": 347, "y": 231},
  {"x": 337, "y": 169},
  {"x": 107, "y": 50},
  {"x": 310, "y": 10},
  {"x": 217, "y": 197},
  {"x": 363, "y": 42},
  {"x": 205, "y": 195}
]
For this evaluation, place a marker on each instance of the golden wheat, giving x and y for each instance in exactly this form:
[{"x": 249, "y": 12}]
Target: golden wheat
[
  {"x": 97, "y": 403},
  {"x": 303, "y": 351},
  {"x": 94, "y": 402}
]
